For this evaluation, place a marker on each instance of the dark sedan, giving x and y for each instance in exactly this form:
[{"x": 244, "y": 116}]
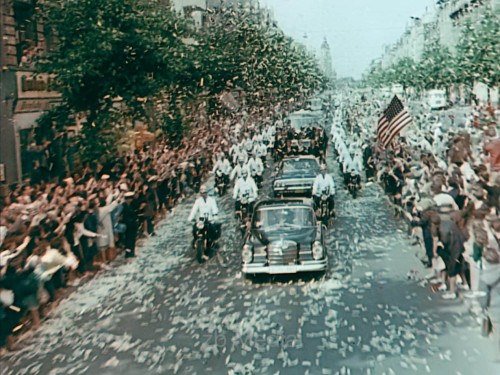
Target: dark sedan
[
  {"x": 284, "y": 237},
  {"x": 295, "y": 176}
]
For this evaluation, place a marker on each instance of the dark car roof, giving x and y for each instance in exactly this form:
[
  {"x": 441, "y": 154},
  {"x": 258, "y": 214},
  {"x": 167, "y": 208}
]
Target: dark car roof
[
  {"x": 284, "y": 202},
  {"x": 296, "y": 161}
]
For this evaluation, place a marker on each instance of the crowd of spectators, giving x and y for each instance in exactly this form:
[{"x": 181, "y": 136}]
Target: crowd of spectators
[
  {"x": 443, "y": 176},
  {"x": 54, "y": 231}
]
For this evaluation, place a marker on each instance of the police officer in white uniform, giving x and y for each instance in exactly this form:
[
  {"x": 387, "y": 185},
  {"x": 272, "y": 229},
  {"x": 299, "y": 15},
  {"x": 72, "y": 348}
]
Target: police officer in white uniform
[
  {"x": 256, "y": 168},
  {"x": 324, "y": 184},
  {"x": 223, "y": 165},
  {"x": 238, "y": 169},
  {"x": 205, "y": 207},
  {"x": 245, "y": 187}
]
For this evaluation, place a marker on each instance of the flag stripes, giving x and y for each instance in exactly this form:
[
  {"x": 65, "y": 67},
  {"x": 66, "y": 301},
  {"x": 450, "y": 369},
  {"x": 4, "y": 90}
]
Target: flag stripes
[{"x": 394, "y": 119}]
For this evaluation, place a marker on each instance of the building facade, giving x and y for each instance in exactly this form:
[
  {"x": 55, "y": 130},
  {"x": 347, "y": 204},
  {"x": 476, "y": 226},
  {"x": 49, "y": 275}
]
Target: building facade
[
  {"x": 24, "y": 96},
  {"x": 442, "y": 25}
]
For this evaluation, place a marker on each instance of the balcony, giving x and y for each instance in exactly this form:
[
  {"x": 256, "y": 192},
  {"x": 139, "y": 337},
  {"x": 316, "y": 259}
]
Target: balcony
[{"x": 463, "y": 7}]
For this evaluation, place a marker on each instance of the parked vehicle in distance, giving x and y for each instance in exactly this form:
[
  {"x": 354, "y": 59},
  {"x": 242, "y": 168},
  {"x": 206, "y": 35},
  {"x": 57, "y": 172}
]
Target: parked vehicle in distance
[
  {"x": 284, "y": 237},
  {"x": 436, "y": 99},
  {"x": 397, "y": 89}
]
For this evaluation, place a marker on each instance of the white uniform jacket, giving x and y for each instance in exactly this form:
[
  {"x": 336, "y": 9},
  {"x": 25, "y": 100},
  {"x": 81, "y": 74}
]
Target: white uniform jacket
[
  {"x": 323, "y": 183},
  {"x": 246, "y": 186},
  {"x": 255, "y": 166},
  {"x": 206, "y": 208}
]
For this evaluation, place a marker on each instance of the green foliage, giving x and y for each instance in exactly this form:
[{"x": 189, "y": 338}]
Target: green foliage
[
  {"x": 238, "y": 51},
  {"x": 478, "y": 51},
  {"x": 108, "y": 49},
  {"x": 436, "y": 68},
  {"x": 113, "y": 48},
  {"x": 156, "y": 64}
]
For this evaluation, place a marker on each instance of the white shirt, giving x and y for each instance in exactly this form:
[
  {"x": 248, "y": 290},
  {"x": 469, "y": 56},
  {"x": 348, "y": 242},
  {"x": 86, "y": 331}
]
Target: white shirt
[
  {"x": 204, "y": 208},
  {"x": 248, "y": 144},
  {"x": 260, "y": 150},
  {"x": 255, "y": 166},
  {"x": 257, "y": 138},
  {"x": 267, "y": 135},
  {"x": 223, "y": 165},
  {"x": 241, "y": 154},
  {"x": 234, "y": 150},
  {"x": 443, "y": 199},
  {"x": 322, "y": 183},
  {"x": 236, "y": 173},
  {"x": 246, "y": 186},
  {"x": 350, "y": 165}
]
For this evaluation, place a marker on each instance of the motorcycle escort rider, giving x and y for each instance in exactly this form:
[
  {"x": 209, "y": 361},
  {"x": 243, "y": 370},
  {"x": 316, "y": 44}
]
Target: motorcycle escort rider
[
  {"x": 324, "y": 184},
  {"x": 205, "y": 207},
  {"x": 245, "y": 187},
  {"x": 351, "y": 172},
  {"x": 238, "y": 169},
  {"x": 222, "y": 164},
  {"x": 256, "y": 168}
]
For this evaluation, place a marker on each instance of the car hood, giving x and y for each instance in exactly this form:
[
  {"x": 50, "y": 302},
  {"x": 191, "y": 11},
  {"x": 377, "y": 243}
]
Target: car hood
[
  {"x": 295, "y": 175},
  {"x": 303, "y": 236}
]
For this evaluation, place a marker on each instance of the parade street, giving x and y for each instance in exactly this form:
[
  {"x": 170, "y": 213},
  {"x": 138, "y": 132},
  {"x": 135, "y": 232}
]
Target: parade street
[{"x": 163, "y": 313}]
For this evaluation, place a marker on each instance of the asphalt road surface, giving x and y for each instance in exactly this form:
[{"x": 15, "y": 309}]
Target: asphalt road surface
[{"x": 162, "y": 313}]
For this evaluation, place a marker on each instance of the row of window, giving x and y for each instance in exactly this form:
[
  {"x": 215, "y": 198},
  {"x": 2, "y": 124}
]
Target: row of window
[{"x": 28, "y": 44}]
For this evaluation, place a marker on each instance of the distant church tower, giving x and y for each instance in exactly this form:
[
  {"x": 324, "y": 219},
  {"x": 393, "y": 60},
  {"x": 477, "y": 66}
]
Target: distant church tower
[{"x": 325, "y": 60}]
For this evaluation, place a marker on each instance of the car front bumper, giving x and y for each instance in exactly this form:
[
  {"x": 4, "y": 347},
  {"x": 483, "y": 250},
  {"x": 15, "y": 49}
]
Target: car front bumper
[{"x": 306, "y": 266}]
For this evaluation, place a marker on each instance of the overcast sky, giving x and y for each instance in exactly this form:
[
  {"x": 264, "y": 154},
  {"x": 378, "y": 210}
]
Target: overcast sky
[{"x": 356, "y": 30}]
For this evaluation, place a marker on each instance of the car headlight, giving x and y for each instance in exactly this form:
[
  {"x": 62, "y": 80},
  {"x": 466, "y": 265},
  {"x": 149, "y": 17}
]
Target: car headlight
[
  {"x": 317, "y": 250},
  {"x": 278, "y": 185},
  {"x": 247, "y": 253}
]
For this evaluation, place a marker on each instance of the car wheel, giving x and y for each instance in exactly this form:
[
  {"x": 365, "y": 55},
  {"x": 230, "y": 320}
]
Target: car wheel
[{"x": 320, "y": 275}]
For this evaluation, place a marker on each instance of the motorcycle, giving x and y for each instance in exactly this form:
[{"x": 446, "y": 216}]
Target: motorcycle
[
  {"x": 220, "y": 183},
  {"x": 201, "y": 240},
  {"x": 244, "y": 213},
  {"x": 323, "y": 213},
  {"x": 353, "y": 185}
]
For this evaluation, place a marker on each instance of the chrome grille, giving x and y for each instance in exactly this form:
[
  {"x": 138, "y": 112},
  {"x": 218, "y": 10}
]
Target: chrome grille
[
  {"x": 297, "y": 183},
  {"x": 282, "y": 252}
]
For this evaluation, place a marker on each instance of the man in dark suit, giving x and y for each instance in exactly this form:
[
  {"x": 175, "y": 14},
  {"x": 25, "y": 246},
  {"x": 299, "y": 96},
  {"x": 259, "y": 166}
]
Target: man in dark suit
[{"x": 130, "y": 219}]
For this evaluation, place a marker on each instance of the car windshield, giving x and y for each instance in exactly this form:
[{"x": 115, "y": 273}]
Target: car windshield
[
  {"x": 298, "y": 165},
  {"x": 301, "y": 121},
  {"x": 281, "y": 218}
]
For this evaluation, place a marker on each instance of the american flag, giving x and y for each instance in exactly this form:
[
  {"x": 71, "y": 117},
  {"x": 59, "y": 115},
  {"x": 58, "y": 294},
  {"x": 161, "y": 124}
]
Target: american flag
[{"x": 394, "y": 119}]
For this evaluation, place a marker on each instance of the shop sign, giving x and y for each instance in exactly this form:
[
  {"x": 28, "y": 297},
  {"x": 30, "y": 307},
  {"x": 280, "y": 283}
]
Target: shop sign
[
  {"x": 26, "y": 106},
  {"x": 35, "y": 86}
]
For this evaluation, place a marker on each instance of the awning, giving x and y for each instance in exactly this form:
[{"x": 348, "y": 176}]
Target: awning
[{"x": 26, "y": 120}]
